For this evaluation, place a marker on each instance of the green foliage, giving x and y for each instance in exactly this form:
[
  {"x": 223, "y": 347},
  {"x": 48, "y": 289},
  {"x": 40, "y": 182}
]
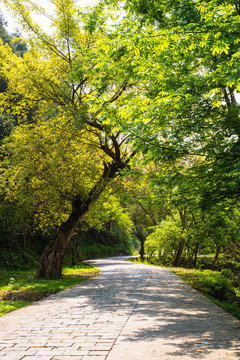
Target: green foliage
[
  {"x": 44, "y": 171},
  {"x": 10, "y": 259},
  {"x": 214, "y": 284},
  {"x": 133, "y": 245},
  {"x": 192, "y": 110},
  {"x": 76, "y": 142},
  {"x": 108, "y": 213},
  {"x": 204, "y": 262},
  {"x": 7, "y": 121},
  {"x": 96, "y": 243},
  {"x": 14, "y": 40},
  {"x": 99, "y": 251},
  {"x": 164, "y": 239},
  {"x": 13, "y": 284},
  {"x": 8, "y": 306}
]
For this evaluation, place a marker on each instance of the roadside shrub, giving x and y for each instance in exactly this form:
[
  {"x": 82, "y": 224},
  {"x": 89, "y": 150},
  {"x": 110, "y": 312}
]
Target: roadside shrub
[
  {"x": 11, "y": 260},
  {"x": 204, "y": 262},
  {"x": 216, "y": 285},
  {"x": 227, "y": 273},
  {"x": 164, "y": 239},
  {"x": 13, "y": 284},
  {"x": 154, "y": 261},
  {"x": 100, "y": 251}
]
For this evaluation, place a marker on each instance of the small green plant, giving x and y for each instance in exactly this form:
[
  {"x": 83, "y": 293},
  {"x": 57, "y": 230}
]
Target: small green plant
[
  {"x": 13, "y": 284},
  {"x": 8, "y": 306}
]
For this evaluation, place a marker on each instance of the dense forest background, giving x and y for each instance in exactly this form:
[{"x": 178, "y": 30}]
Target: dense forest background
[{"x": 120, "y": 133}]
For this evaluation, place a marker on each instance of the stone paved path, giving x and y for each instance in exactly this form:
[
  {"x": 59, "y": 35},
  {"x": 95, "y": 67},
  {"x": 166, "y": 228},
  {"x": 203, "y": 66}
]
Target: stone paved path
[{"x": 128, "y": 311}]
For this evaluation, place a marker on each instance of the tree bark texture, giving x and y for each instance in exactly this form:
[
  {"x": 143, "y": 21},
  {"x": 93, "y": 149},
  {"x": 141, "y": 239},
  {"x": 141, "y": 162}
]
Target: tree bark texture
[
  {"x": 181, "y": 243},
  {"x": 216, "y": 257},
  {"x": 179, "y": 252},
  {"x": 51, "y": 261},
  {"x": 141, "y": 237},
  {"x": 196, "y": 254},
  {"x": 142, "y": 250}
]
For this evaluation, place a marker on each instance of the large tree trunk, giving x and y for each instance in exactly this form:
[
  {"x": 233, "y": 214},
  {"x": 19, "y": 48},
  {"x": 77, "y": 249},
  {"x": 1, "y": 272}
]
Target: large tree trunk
[
  {"x": 140, "y": 236},
  {"x": 218, "y": 248},
  {"x": 179, "y": 252},
  {"x": 181, "y": 243},
  {"x": 142, "y": 250},
  {"x": 196, "y": 254},
  {"x": 51, "y": 260}
]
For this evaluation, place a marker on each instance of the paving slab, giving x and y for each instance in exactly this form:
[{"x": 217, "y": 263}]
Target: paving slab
[{"x": 128, "y": 311}]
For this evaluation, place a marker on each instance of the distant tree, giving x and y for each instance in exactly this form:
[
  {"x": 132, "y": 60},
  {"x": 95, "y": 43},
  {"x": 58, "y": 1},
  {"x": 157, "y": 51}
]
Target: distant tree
[
  {"x": 7, "y": 121},
  {"x": 6, "y": 38}
]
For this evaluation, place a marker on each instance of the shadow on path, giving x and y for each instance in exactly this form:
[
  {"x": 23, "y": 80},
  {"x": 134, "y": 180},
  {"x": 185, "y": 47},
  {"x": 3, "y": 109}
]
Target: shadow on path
[
  {"x": 142, "y": 310},
  {"x": 163, "y": 309}
]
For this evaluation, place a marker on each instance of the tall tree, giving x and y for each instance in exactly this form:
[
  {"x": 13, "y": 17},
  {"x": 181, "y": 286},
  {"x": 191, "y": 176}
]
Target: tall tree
[
  {"x": 191, "y": 55},
  {"x": 6, "y": 38},
  {"x": 79, "y": 83},
  {"x": 192, "y": 51},
  {"x": 19, "y": 48}
]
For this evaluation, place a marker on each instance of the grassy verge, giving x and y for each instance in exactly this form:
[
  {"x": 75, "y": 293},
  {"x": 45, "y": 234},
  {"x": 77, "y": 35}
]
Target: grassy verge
[
  {"x": 21, "y": 288},
  {"x": 212, "y": 284}
]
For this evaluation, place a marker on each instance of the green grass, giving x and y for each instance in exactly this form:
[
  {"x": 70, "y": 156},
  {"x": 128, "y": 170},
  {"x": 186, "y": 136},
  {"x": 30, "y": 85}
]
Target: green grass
[
  {"x": 8, "y": 306},
  {"x": 21, "y": 288}
]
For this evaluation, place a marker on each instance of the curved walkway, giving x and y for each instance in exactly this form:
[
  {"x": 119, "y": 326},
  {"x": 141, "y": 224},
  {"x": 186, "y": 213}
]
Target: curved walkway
[{"x": 128, "y": 311}]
